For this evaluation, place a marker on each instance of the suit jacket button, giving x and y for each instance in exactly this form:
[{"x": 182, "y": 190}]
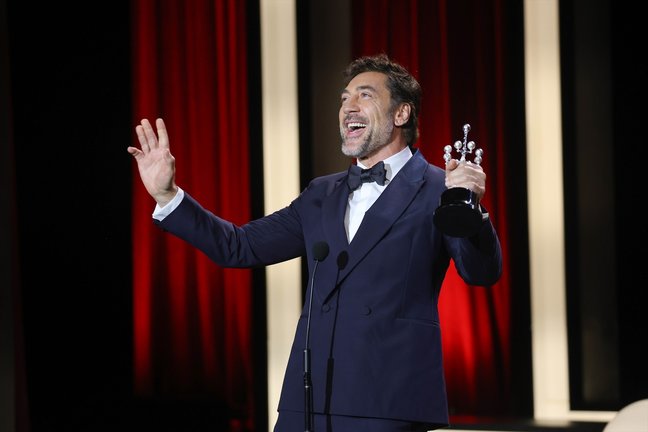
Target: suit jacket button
[
  {"x": 326, "y": 308},
  {"x": 366, "y": 310}
]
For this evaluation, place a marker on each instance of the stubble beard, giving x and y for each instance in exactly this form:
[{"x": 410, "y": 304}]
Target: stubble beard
[{"x": 373, "y": 141}]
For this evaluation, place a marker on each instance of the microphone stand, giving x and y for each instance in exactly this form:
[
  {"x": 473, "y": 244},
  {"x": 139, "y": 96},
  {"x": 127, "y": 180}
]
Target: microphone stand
[
  {"x": 308, "y": 385},
  {"x": 320, "y": 252}
]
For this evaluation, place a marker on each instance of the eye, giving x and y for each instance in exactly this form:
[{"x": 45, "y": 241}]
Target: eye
[{"x": 366, "y": 95}]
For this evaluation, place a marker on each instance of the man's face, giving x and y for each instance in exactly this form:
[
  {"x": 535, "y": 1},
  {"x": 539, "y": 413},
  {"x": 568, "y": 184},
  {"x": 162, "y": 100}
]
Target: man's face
[{"x": 366, "y": 117}]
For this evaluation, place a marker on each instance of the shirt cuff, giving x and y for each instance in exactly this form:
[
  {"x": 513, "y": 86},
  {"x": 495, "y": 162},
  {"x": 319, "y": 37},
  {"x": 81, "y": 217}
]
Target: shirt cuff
[
  {"x": 484, "y": 213},
  {"x": 161, "y": 212}
]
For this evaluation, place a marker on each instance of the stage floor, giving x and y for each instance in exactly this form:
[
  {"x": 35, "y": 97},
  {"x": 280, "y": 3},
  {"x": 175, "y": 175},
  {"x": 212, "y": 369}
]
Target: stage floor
[{"x": 522, "y": 425}]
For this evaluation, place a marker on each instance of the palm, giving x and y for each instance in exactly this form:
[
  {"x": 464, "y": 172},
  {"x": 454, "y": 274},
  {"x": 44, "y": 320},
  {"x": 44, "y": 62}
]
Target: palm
[
  {"x": 156, "y": 170},
  {"x": 155, "y": 162}
]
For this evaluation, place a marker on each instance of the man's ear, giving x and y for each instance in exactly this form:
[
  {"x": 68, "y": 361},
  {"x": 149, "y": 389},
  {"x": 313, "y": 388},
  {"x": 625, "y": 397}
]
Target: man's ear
[{"x": 402, "y": 114}]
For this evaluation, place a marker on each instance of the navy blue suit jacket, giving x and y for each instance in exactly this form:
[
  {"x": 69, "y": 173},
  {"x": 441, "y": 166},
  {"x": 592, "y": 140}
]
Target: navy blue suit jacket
[{"x": 375, "y": 334}]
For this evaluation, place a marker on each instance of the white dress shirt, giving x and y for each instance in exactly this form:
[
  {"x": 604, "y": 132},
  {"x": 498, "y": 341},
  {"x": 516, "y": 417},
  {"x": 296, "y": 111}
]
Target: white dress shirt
[
  {"x": 160, "y": 213},
  {"x": 361, "y": 199}
]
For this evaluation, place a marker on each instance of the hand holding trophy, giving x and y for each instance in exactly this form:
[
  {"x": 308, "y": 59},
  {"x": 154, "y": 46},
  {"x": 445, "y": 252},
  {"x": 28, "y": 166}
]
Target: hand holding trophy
[{"x": 459, "y": 213}]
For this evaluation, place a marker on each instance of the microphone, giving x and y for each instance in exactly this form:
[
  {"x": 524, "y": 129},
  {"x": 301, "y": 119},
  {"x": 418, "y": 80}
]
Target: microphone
[
  {"x": 342, "y": 260},
  {"x": 320, "y": 252}
]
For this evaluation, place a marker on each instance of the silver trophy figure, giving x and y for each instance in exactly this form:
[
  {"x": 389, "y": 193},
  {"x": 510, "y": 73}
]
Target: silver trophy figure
[
  {"x": 463, "y": 147},
  {"x": 459, "y": 213}
]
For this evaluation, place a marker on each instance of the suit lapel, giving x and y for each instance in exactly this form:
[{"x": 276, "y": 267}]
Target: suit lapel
[
  {"x": 333, "y": 210},
  {"x": 379, "y": 218}
]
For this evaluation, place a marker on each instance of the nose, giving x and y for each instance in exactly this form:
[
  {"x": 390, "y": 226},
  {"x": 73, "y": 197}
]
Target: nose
[{"x": 350, "y": 105}]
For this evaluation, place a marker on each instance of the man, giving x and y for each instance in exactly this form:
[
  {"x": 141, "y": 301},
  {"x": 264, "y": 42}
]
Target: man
[{"x": 375, "y": 337}]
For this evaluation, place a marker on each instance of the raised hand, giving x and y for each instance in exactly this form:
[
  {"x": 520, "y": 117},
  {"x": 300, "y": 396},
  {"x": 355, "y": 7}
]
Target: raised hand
[{"x": 155, "y": 162}]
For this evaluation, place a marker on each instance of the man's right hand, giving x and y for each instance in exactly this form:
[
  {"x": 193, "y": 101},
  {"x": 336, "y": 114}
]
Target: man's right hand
[
  {"x": 467, "y": 175},
  {"x": 155, "y": 162}
]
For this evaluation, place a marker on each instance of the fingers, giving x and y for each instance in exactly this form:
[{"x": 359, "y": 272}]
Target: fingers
[
  {"x": 162, "y": 133},
  {"x": 134, "y": 151},
  {"x": 148, "y": 139},
  {"x": 146, "y": 136},
  {"x": 451, "y": 165},
  {"x": 470, "y": 176},
  {"x": 149, "y": 135}
]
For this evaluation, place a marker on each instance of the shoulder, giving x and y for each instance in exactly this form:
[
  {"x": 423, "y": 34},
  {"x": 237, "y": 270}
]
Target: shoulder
[
  {"x": 326, "y": 183},
  {"x": 419, "y": 167}
]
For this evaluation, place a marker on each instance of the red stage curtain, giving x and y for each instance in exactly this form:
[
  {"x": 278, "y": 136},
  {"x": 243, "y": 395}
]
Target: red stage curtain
[
  {"x": 192, "y": 324},
  {"x": 455, "y": 48}
]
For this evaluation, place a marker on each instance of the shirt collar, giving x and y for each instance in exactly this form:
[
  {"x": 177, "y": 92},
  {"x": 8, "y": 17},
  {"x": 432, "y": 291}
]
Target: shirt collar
[{"x": 395, "y": 162}]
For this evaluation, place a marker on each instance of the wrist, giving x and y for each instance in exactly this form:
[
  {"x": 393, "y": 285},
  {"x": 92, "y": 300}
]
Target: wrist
[{"x": 166, "y": 197}]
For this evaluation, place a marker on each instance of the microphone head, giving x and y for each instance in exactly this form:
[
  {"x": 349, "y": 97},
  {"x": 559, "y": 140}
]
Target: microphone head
[
  {"x": 342, "y": 260},
  {"x": 320, "y": 250}
]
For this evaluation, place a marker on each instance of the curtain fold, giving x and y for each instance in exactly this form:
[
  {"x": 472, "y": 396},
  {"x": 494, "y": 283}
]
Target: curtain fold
[
  {"x": 455, "y": 49},
  {"x": 191, "y": 318}
]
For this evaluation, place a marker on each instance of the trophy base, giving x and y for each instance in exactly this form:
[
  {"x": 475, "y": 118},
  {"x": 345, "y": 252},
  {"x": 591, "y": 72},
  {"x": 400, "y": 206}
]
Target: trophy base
[{"x": 459, "y": 214}]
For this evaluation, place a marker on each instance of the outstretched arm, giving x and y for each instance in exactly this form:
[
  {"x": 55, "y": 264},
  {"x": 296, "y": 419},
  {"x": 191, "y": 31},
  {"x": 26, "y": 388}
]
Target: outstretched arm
[{"x": 155, "y": 162}]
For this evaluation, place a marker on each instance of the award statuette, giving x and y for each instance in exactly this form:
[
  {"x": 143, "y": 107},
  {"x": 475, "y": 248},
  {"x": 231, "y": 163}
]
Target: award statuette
[{"x": 459, "y": 213}]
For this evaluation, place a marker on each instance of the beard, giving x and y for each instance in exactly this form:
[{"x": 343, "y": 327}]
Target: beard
[{"x": 371, "y": 141}]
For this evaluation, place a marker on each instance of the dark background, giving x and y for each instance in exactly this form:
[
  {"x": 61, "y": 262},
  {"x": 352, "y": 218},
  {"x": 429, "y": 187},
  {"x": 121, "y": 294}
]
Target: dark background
[{"x": 70, "y": 91}]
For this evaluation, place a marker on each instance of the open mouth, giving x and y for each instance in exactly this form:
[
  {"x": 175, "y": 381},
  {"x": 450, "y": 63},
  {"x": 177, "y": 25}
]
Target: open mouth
[{"x": 355, "y": 129}]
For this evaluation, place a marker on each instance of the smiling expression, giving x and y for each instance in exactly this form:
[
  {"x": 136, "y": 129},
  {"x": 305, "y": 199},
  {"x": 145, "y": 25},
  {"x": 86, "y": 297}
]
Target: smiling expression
[{"x": 366, "y": 115}]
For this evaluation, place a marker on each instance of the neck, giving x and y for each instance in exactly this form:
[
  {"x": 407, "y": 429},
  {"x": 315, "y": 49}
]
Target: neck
[{"x": 382, "y": 153}]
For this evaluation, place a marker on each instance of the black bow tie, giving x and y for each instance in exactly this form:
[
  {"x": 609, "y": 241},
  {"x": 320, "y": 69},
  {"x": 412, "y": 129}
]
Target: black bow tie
[{"x": 357, "y": 175}]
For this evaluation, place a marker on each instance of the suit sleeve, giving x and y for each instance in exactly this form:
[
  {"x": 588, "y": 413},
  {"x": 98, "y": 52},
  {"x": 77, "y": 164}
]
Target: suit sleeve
[
  {"x": 478, "y": 259},
  {"x": 269, "y": 240}
]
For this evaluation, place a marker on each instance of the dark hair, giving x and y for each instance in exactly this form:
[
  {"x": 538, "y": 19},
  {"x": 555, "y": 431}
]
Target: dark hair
[{"x": 404, "y": 88}]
